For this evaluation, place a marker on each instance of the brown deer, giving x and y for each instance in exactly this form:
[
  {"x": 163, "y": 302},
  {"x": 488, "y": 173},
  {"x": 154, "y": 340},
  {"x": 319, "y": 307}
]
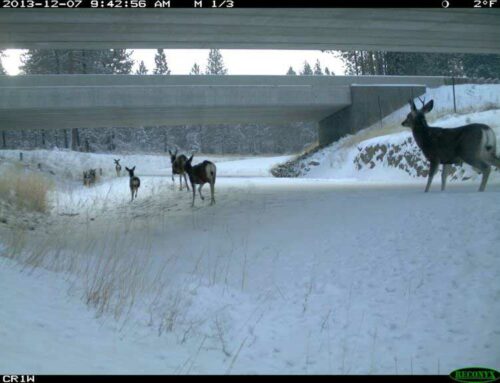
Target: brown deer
[
  {"x": 474, "y": 144},
  {"x": 118, "y": 167},
  {"x": 178, "y": 163},
  {"x": 89, "y": 177},
  {"x": 135, "y": 182},
  {"x": 201, "y": 174}
]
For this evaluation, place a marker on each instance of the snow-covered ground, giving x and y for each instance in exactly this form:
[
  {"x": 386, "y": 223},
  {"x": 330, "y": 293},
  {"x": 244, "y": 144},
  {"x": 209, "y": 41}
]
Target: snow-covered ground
[
  {"x": 309, "y": 279},
  {"x": 339, "y": 272}
]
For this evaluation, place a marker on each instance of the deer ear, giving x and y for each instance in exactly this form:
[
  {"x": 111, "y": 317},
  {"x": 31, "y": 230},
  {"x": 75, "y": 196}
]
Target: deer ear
[
  {"x": 191, "y": 158},
  {"x": 428, "y": 107},
  {"x": 133, "y": 168},
  {"x": 170, "y": 152},
  {"x": 127, "y": 168}
]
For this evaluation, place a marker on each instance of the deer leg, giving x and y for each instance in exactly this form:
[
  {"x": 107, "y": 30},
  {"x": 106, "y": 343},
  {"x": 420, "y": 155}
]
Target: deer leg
[
  {"x": 212, "y": 192},
  {"x": 194, "y": 193},
  {"x": 444, "y": 173},
  {"x": 185, "y": 180},
  {"x": 486, "y": 169},
  {"x": 199, "y": 190},
  {"x": 132, "y": 192},
  {"x": 432, "y": 170},
  {"x": 483, "y": 168},
  {"x": 180, "y": 181},
  {"x": 494, "y": 161}
]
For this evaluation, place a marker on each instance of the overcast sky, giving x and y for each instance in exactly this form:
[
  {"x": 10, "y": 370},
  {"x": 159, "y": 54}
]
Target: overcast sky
[{"x": 180, "y": 61}]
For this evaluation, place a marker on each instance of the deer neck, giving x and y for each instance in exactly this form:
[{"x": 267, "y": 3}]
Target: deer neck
[{"x": 420, "y": 131}]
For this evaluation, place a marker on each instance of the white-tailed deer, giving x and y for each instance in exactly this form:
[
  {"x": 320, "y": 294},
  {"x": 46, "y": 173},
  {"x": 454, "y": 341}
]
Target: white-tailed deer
[
  {"x": 135, "y": 182},
  {"x": 474, "y": 144},
  {"x": 118, "y": 167},
  {"x": 201, "y": 174},
  {"x": 178, "y": 163}
]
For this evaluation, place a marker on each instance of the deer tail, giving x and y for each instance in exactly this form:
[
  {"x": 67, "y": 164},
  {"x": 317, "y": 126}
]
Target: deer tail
[{"x": 490, "y": 146}]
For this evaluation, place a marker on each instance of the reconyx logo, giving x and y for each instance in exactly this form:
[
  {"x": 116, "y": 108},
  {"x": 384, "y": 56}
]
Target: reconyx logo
[{"x": 475, "y": 374}]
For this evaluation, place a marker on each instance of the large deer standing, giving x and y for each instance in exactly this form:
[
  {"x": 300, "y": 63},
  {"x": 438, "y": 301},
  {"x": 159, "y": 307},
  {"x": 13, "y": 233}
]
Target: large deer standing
[{"x": 474, "y": 144}]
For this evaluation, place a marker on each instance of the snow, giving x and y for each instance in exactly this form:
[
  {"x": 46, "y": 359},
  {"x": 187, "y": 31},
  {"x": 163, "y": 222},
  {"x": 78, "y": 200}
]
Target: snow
[
  {"x": 405, "y": 284},
  {"x": 338, "y": 272}
]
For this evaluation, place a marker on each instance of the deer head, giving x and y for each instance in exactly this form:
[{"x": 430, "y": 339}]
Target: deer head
[
  {"x": 417, "y": 116},
  {"x": 130, "y": 171},
  {"x": 173, "y": 156}
]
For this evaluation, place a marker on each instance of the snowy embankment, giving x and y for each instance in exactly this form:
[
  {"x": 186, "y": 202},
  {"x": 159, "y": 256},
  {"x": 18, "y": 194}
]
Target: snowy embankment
[{"x": 386, "y": 153}]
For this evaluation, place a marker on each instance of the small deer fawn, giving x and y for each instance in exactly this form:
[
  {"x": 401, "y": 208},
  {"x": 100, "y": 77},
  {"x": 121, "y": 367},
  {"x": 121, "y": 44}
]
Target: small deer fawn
[
  {"x": 135, "y": 182},
  {"x": 178, "y": 163},
  {"x": 474, "y": 144},
  {"x": 118, "y": 167},
  {"x": 201, "y": 174}
]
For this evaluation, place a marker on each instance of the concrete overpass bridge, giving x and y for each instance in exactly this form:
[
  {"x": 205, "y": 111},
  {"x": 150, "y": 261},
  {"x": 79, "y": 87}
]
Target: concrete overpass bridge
[
  {"x": 423, "y": 30},
  {"x": 340, "y": 104}
]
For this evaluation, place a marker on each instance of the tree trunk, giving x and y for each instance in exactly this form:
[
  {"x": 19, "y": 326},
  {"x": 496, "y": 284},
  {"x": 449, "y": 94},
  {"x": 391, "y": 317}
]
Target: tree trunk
[
  {"x": 75, "y": 139},
  {"x": 66, "y": 144}
]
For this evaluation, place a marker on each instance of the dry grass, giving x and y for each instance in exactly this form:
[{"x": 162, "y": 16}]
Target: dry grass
[{"x": 24, "y": 189}]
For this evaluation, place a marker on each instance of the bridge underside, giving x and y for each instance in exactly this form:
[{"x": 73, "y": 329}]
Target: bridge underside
[
  {"x": 137, "y": 117},
  {"x": 424, "y": 30},
  {"x": 77, "y": 101}
]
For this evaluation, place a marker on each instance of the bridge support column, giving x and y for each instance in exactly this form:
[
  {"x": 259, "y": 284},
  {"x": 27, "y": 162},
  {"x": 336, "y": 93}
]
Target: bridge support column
[{"x": 370, "y": 103}]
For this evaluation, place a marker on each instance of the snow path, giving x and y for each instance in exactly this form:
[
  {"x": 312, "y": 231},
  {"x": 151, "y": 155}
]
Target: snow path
[{"x": 303, "y": 276}]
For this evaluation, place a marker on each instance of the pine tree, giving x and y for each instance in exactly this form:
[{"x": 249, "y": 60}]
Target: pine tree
[
  {"x": 161, "y": 66},
  {"x": 215, "y": 64},
  {"x": 142, "y": 69},
  {"x": 487, "y": 66},
  {"x": 63, "y": 61},
  {"x": 291, "y": 72},
  {"x": 317, "y": 69},
  {"x": 328, "y": 73},
  {"x": 195, "y": 70},
  {"x": 306, "y": 70},
  {"x": 120, "y": 62},
  {"x": 403, "y": 63},
  {"x": 2, "y": 69}
]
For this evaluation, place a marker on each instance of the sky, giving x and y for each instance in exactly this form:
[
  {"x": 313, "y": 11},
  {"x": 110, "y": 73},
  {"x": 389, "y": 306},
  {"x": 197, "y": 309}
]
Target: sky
[{"x": 237, "y": 61}]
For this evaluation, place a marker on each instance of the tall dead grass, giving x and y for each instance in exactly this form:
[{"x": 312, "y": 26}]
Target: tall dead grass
[{"x": 24, "y": 189}]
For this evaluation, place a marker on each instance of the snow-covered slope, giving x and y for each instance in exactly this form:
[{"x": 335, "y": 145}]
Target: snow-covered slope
[{"x": 366, "y": 156}]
